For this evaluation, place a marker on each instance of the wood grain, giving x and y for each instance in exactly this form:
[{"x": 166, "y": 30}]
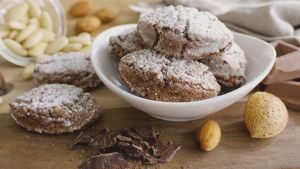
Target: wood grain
[{"x": 20, "y": 149}]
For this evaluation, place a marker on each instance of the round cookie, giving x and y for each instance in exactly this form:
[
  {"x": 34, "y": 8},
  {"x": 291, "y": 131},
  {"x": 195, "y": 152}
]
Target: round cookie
[
  {"x": 184, "y": 32},
  {"x": 229, "y": 68},
  {"x": 72, "y": 68},
  {"x": 157, "y": 77},
  {"x": 125, "y": 43},
  {"x": 54, "y": 109}
]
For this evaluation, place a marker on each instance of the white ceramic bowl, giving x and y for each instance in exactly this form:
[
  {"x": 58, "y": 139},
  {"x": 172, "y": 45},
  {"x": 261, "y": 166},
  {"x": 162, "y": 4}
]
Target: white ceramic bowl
[{"x": 260, "y": 55}]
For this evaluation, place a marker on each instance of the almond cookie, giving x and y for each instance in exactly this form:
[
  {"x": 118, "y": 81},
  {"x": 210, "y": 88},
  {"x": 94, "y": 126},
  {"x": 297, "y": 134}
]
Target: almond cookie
[
  {"x": 73, "y": 68},
  {"x": 157, "y": 77},
  {"x": 54, "y": 109},
  {"x": 229, "y": 68},
  {"x": 184, "y": 32},
  {"x": 125, "y": 43}
]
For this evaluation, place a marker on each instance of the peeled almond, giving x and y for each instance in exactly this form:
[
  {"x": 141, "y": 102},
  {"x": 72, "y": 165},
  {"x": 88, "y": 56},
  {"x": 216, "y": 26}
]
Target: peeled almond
[
  {"x": 46, "y": 21},
  {"x": 17, "y": 12},
  {"x": 57, "y": 45},
  {"x": 34, "y": 9},
  {"x": 15, "y": 47}
]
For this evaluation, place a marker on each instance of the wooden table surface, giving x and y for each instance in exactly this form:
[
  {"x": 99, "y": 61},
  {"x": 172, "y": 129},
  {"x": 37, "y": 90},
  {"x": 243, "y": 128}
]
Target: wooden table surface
[{"x": 20, "y": 149}]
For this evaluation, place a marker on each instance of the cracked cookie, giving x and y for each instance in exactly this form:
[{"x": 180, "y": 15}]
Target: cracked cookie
[
  {"x": 126, "y": 42},
  {"x": 184, "y": 32},
  {"x": 54, "y": 109},
  {"x": 72, "y": 68},
  {"x": 229, "y": 68},
  {"x": 157, "y": 77}
]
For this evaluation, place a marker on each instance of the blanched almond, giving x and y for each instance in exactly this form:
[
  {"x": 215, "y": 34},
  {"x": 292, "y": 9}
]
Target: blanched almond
[
  {"x": 28, "y": 71},
  {"x": 17, "y": 25},
  {"x": 4, "y": 30},
  {"x": 17, "y": 12},
  {"x": 34, "y": 9},
  {"x": 12, "y": 34},
  {"x": 38, "y": 49},
  {"x": 28, "y": 31},
  {"x": 48, "y": 35},
  {"x": 33, "y": 40},
  {"x": 72, "y": 47},
  {"x": 80, "y": 40},
  {"x": 15, "y": 47},
  {"x": 46, "y": 21},
  {"x": 57, "y": 45}
]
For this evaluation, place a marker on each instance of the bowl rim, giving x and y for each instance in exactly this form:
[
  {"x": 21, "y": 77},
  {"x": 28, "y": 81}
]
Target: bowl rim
[{"x": 106, "y": 80}]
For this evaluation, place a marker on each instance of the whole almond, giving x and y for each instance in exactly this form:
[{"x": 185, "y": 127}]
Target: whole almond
[
  {"x": 265, "y": 115},
  {"x": 81, "y": 8},
  {"x": 108, "y": 13},
  {"x": 209, "y": 135},
  {"x": 88, "y": 24}
]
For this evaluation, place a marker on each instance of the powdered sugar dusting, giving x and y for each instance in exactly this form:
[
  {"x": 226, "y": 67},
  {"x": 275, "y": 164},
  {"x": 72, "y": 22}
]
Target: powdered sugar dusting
[
  {"x": 48, "y": 96},
  {"x": 126, "y": 42},
  {"x": 63, "y": 62},
  {"x": 185, "y": 32},
  {"x": 167, "y": 68},
  {"x": 231, "y": 63}
]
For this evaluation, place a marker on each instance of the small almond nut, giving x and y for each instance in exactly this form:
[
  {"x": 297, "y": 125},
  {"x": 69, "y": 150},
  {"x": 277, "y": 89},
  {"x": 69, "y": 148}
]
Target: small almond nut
[
  {"x": 1, "y": 100},
  {"x": 108, "y": 13},
  {"x": 28, "y": 71},
  {"x": 209, "y": 135},
  {"x": 81, "y": 8},
  {"x": 88, "y": 24},
  {"x": 15, "y": 47}
]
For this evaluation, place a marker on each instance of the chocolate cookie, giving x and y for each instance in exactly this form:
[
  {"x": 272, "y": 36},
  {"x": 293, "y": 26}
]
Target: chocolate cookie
[
  {"x": 229, "y": 68},
  {"x": 72, "y": 68},
  {"x": 54, "y": 109},
  {"x": 184, "y": 32},
  {"x": 157, "y": 77},
  {"x": 126, "y": 42}
]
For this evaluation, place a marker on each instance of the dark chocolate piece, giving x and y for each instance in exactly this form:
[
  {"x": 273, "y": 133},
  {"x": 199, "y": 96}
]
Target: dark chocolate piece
[
  {"x": 141, "y": 144},
  {"x": 83, "y": 139},
  {"x": 104, "y": 140},
  {"x": 169, "y": 153},
  {"x": 105, "y": 161}
]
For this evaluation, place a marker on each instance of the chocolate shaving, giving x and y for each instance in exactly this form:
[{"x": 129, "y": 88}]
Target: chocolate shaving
[
  {"x": 140, "y": 144},
  {"x": 105, "y": 161}
]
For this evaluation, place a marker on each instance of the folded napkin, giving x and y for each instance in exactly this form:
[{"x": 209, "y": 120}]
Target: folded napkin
[{"x": 266, "y": 19}]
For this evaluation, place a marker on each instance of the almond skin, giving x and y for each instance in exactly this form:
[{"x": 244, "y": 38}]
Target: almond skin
[
  {"x": 81, "y": 8},
  {"x": 265, "y": 115},
  {"x": 209, "y": 135},
  {"x": 108, "y": 13},
  {"x": 88, "y": 24}
]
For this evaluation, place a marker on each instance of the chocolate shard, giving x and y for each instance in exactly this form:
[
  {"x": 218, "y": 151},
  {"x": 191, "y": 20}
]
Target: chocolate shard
[
  {"x": 169, "y": 154},
  {"x": 83, "y": 139},
  {"x": 145, "y": 132},
  {"x": 132, "y": 134},
  {"x": 105, "y": 161},
  {"x": 104, "y": 140},
  {"x": 123, "y": 138},
  {"x": 148, "y": 134}
]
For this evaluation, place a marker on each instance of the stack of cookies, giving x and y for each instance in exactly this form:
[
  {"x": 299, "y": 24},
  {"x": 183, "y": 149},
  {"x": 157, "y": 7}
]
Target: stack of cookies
[{"x": 179, "y": 54}]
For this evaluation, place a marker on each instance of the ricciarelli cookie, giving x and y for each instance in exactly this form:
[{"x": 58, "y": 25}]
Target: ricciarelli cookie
[
  {"x": 126, "y": 42},
  {"x": 72, "y": 68},
  {"x": 157, "y": 77},
  {"x": 54, "y": 109},
  {"x": 229, "y": 68},
  {"x": 184, "y": 32}
]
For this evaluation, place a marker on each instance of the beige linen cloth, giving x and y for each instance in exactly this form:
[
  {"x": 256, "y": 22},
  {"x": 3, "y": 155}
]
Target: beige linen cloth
[{"x": 266, "y": 19}]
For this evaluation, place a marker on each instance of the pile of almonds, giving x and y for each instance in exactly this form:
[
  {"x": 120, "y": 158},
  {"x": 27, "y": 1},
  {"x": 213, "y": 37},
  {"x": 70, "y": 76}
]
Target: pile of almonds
[
  {"x": 91, "y": 23},
  {"x": 28, "y": 30}
]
